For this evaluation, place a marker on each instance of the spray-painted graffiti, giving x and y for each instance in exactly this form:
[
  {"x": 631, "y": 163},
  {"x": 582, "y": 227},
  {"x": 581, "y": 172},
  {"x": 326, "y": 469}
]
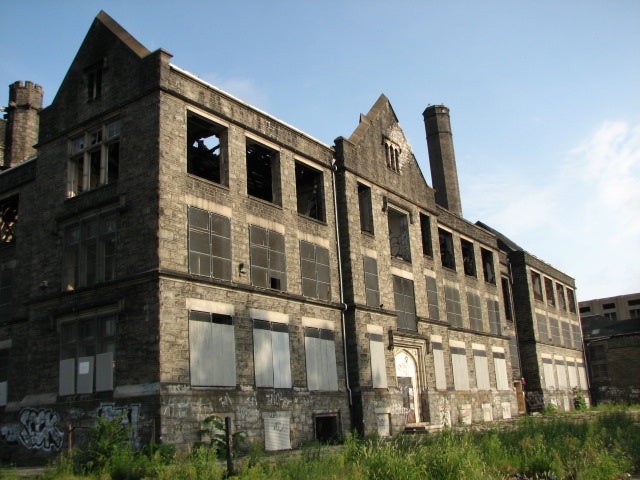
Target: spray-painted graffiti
[
  {"x": 128, "y": 415},
  {"x": 445, "y": 412},
  {"x": 11, "y": 432},
  {"x": 39, "y": 430}
]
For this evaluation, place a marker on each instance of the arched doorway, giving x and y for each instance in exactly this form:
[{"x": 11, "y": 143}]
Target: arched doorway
[{"x": 406, "y": 373}]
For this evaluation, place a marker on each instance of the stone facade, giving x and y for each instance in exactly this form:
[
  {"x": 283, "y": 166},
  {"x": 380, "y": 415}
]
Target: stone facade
[{"x": 181, "y": 254}]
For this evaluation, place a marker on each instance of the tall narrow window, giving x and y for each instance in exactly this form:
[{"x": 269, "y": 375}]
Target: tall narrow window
[
  {"x": 93, "y": 79},
  {"x": 438, "y": 365},
  {"x": 209, "y": 244},
  {"x": 548, "y": 287},
  {"x": 320, "y": 352},
  {"x": 399, "y": 235},
  {"x": 447, "y": 255},
  {"x": 206, "y": 149},
  {"x": 468, "y": 258},
  {"x": 487, "y": 266},
  {"x": 316, "y": 273},
  {"x": 366, "y": 208},
  {"x": 405, "y": 303},
  {"x": 482, "y": 367},
  {"x": 500, "y": 365},
  {"x": 432, "y": 298},
  {"x": 571, "y": 300},
  {"x": 561, "y": 373},
  {"x": 371, "y": 285},
  {"x": 271, "y": 356},
  {"x": 577, "y": 337},
  {"x": 263, "y": 172},
  {"x": 565, "y": 327},
  {"x": 8, "y": 220},
  {"x": 378, "y": 368},
  {"x": 459, "y": 364},
  {"x": 506, "y": 295},
  {"x": 425, "y": 229},
  {"x": 212, "y": 352},
  {"x": 454, "y": 308},
  {"x": 310, "y": 192},
  {"x": 554, "y": 331},
  {"x": 475, "y": 311},
  {"x": 543, "y": 329},
  {"x": 87, "y": 353},
  {"x": 4, "y": 370},
  {"x": 549, "y": 375},
  {"x": 536, "y": 285},
  {"x": 493, "y": 307},
  {"x": 562, "y": 303},
  {"x": 6, "y": 281},
  {"x": 267, "y": 258}
]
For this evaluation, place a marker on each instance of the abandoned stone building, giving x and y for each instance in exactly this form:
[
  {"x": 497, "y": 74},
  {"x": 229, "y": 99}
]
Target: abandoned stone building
[{"x": 169, "y": 252}]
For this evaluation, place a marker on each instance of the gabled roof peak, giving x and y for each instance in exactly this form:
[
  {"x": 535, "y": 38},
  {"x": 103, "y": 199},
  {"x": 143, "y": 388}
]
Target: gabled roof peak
[{"x": 122, "y": 34}]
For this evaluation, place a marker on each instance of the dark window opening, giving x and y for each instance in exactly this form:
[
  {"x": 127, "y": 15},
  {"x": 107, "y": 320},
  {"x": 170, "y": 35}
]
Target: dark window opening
[
  {"x": 405, "y": 303},
  {"x": 571, "y": 301},
  {"x": 206, "y": 155},
  {"x": 585, "y": 309},
  {"x": 487, "y": 265},
  {"x": 632, "y": 303},
  {"x": 425, "y": 228},
  {"x": 536, "y": 283},
  {"x": 562, "y": 303},
  {"x": 263, "y": 173},
  {"x": 310, "y": 192},
  {"x": 611, "y": 315},
  {"x": 447, "y": 255},
  {"x": 548, "y": 287},
  {"x": 326, "y": 427},
  {"x": 8, "y": 220},
  {"x": 508, "y": 304},
  {"x": 468, "y": 258},
  {"x": 399, "y": 235},
  {"x": 608, "y": 306},
  {"x": 6, "y": 280},
  {"x": 366, "y": 209},
  {"x": 94, "y": 81}
]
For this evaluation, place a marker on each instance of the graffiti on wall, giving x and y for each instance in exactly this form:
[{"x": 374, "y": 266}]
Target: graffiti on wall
[
  {"x": 38, "y": 430},
  {"x": 127, "y": 414}
]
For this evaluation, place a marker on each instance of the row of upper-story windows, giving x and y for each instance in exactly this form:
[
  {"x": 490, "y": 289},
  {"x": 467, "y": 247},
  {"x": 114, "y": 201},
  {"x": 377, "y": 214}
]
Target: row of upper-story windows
[
  {"x": 558, "y": 332},
  {"x": 543, "y": 288}
]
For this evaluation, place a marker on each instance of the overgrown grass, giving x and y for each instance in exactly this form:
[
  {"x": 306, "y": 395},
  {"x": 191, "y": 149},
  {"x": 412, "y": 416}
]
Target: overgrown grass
[{"x": 558, "y": 447}]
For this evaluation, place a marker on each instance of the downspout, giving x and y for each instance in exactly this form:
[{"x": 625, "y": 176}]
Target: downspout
[{"x": 344, "y": 305}]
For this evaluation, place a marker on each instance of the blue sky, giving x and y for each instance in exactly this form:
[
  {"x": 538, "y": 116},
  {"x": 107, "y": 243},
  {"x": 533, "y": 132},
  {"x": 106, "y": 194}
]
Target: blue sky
[{"x": 544, "y": 96}]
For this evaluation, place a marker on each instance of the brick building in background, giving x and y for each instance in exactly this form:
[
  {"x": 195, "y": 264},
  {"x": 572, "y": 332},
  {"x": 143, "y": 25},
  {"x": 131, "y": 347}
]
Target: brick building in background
[{"x": 174, "y": 253}]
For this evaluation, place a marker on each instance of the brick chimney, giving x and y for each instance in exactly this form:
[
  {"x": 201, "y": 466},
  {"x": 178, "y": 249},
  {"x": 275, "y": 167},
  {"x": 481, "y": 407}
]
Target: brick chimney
[
  {"x": 22, "y": 122},
  {"x": 442, "y": 160}
]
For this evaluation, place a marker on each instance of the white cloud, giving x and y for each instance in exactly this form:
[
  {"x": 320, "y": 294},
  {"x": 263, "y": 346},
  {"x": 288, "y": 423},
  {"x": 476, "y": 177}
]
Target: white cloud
[{"x": 583, "y": 218}]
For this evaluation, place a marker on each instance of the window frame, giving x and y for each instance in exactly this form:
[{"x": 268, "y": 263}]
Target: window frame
[
  {"x": 270, "y": 175},
  {"x": 474, "y": 306},
  {"x": 197, "y": 150},
  {"x": 372, "y": 295},
  {"x": 211, "y": 342},
  {"x": 425, "y": 231},
  {"x": 447, "y": 250},
  {"x": 399, "y": 236},
  {"x": 365, "y": 207},
  {"x": 433, "y": 302},
  {"x": 274, "y": 371},
  {"x": 488, "y": 266},
  {"x": 320, "y": 281},
  {"x": 468, "y": 258},
  {"x": 219, "y": 266},
  {"x": 266, "y": 252},
  {"x": 320, "y": 356},
  {"x": 314, "y": 207},
  {"x": 405, "y": 303},
  {"x": 453, "y": 306}
]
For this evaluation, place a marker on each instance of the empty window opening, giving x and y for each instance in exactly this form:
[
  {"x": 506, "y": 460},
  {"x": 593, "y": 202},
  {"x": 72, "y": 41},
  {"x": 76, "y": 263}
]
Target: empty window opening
[
  {"x": 468, "y": 258},
  {"x": 405, "y": 303},
  {"x": 93, "y": 77},
  {"x": 585, "y": 309},
  {"x": 310, "y": 192},
  {"x": 487, "y": 266},
  {"x": 316, "y": 273},
  {"x": 371, "y": 285},
  {"x": 506, "y": 295},
  {"x": 8, "y": 220},
  {"x": 268, "y": 267},
  {"x": 475, "y": 311},
  {"x": 425, "y": 229},
  {"x": 366, "y": 209},
  {"x": 326, "y": 429},
  {"x": 609, "y": 306},
  {"x": 6, "y": 281},
  {"x": 263, "y": 172},
  {"x": 206, "y": 149},
  {"x": 399, "y": 235},
  {"x": 562, "y": 303},
  {"x": 548, "y": 287},
  {"x": 447, "y": 255},
  {"x": 536, "y": 285}
]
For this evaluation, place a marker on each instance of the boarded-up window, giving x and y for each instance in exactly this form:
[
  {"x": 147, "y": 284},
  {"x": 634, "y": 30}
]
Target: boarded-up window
[
  {"x": 454, "y": 309},
  {"x": 268, "y": 265},
  {"x": 209, "y": 244},
  {"x": 366, "y": 210},
  {"x": 425, "y": 230},
  {"x": 271, "y": 354},
  {"x": 432, "y": 298},
  {"x": 577, "y": 337},
  {"x": 460, "y": 368},
  {"x": 566, "y": 334},
  {"x": 320, "y": 351},
  {"x": 582, "y": 375},
  {"x": 212, "y": 349},
  {"x": 482, "y": 369},
  {"x": 573, "y": 374},
  {"x": 549, "y": 377},
  {"x": 493, "y": 307},
  {"x": 315, "y": 270},
  {"x": 277, "y": 431},
  {"x": 87, "y": 349},
  {"x": 500, "y": 365},
  {"x": 562, "y": 374},
  {"x": 475, "y": 311},
  {"x": 378, "y": 368},
  {"x": 371, "y": 286},
  {"x": 543, "y": 330},
  {"x": 405, "y": 303},
  {"x": 399, "y": 235},
  {"x": 438, "y": 365}
]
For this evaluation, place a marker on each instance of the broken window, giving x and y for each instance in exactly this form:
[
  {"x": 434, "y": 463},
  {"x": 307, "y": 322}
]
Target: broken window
[
  {"x": 209, "y": 244},
  {"x": 93, "y": 78},
  {"x": 95, "y": 159},
  {"x": 493, "y": 308},
  {"x": 263, "y": 172},
  {"x": 366, "y": 209},
  {"x": 87, "y": 354},
  {"x": 405, "y": 303},
  {"x": 536, "y": 285},
  {"x": 548, "y": 287},
  {"x": 447, "y": 255},
  {"x": 4, "y": 370},
  {"x": 371, "y": 286},
  {"x": 320, "y": 354},
  {"x": 506, "y": 294},
  {"x": 475, "y": 311},
  {"x": 89, "y": 252},
  {"x": 454, "y": 308},
  {"x": 487, "y": 266},
  {"x": 6, "y": 280},
  {"x": 310, "y": 192},
  {"x": 211, "y": 342},
  {"x": 571, "y": 300},
  {"x": 206, "y": 149},
  {"x": 562, "y": 303},
  {"x": 271, "y": 356},
  {"x": 8, "y": 220},
  {"x": 399, "y": 235},
  {"x": 432, "y": 298},
  {"x": 316, "y": 273},
  {"x": 468, "y": 258},
  {"x": 268, "y": 267},
  {"x": 425, "y": 229}
]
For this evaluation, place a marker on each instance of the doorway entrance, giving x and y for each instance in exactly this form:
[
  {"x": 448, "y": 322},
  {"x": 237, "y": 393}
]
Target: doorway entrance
[{"x": 406, "y": 373}]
